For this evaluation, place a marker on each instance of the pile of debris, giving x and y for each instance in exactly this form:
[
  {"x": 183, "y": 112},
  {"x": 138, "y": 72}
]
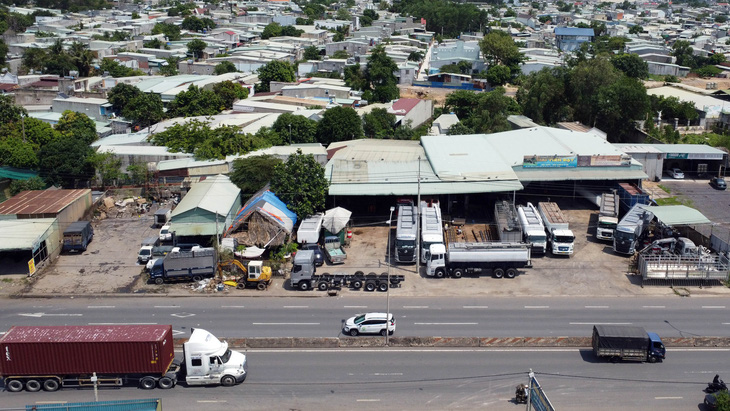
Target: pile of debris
[{"x": 118, "y": 209}]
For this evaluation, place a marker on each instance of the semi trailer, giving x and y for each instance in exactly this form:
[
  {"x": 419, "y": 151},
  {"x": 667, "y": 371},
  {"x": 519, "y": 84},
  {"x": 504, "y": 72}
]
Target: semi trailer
[
  {"x": 504, "y": 259},
  {"x": 533, "y": 230},
  {"x": 560, "y": 237}
]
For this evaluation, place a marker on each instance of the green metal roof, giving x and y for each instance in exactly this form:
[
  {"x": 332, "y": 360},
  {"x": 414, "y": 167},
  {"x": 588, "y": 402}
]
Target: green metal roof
[
  {"x": 16, "y": 173},
  {"x": 672, "y": 215}
]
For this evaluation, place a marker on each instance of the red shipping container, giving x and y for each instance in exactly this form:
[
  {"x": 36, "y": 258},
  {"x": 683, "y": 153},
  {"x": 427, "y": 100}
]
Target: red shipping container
[{"x": 85, "y": 349}]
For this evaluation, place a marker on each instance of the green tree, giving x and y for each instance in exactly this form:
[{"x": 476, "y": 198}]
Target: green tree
[
  {"x": 636, "y": 29},
  {"x": 339, "y": 124},
  {"x": 341, "y": 54},
  {"x": 251, "y": 174},
  {"x": 196, "y": 47},
  {"x": 171, "y": 31},
  {"x": 107, "y": 166},
  {"x": 78, "y": 126},
  {"x": 64, "y": 161},
  {"x": 416, "y": 56},
  {"x": 355, "y": 78},
  {"x": 295, "y": 129},
  {"x": 33, "y": 183},
  {"x": 379, "y": 73},
  {"x": 224, "y": 67},
  {"x": 300, "y": 184},
  {"x": 620, "y": 105},
  {"x": 117, "y": 70},
  {"x": 543, "y": 96},
  {"x": 15, "y": 152},
  {"x": 34, "y": 59},
  {"x": 378, "y": 123},
  {"x": 82, "y": 58},
  {"x": 498, "y": 75},
  {"x": 311, "y": 53},
  {"x": 4, "y": 49},
  {"x": 343, "y": 14},
  {"x": 372, "y": 14},
  {"x": 9, "y": 111},
  {"x": 169, "y": 67},
  {"x": 586, "y": 80},
  {"x": 631, "y": 64},
  {"x": 459, "y": 129},
  {"x": 229, "y": 92},
  {"x": 498, "y": 48},
  {"x": 271, "y": 30},
  {"x": 275, "y": 70},
  {"x": 120, "y": 95},
  {"x": 144, "y": 110},
  {"x": 682, "y": 50},
  {"x": 154, "y": 44},
  {"x": 137, "y": 174},
  {"x": 195, "y": 102},
  {"x": 291, "y": 31},
  {"x": 193, "y": 23}
]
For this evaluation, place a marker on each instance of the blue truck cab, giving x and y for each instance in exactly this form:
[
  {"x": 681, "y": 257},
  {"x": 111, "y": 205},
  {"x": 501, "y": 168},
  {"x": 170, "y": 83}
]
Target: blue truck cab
[{"x": 656, "y": 347}]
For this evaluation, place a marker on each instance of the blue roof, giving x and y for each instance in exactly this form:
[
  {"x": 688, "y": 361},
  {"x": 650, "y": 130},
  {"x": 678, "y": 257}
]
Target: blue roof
[
  {"x": 573, "y": 31},
  {"x": 268, "y": 205}
]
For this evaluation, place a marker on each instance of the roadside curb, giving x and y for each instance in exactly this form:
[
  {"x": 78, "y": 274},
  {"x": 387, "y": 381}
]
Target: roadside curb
[{"x": 445, "y": 342}]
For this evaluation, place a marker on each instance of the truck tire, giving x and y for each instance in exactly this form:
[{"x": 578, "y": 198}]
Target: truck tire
[
  {"x": 147, "y": 383},
  {"x": 32, "y": 385},
  {"x": 383, "y": 286},
  {"x": 165, "y": 383},
  {"x": 228, "y": 381},
  {"x": 304, "y": 285},
  {"x": 440, "y": 273},
  {"x": 322, "y": 286},
  {"x": 159, "y": 281},
  {"x": 370, "y": 286},
  {"x": 51, "y": 385},
  {"x": 356, "y": 284},
  {"x": 652, "y": 359},
  {"x": 511, "y": 272},
  {"x": 14, "y": 385},
  {"x": 359, "y": 273},
  {"x": 498, "y": 272},
  {"x": 457, "y": 273},
  {"x": 261, "y": 286},
  {"x": 197, "y": 278},
  {"x": 240, "y": 286}
]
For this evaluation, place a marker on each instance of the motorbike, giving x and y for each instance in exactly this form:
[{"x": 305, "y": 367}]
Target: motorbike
[
  {"x": 521, "y": 394},
  {"x": 716, "y": 385}
]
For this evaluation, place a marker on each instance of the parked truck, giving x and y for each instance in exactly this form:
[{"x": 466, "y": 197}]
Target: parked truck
[
  {"x": 406, "y": 234},
  {"x": 309, "y": 229},
  {"x": 680, "y": 259},
  {"x": 508, "y": 222},
  {"x": 607, "y": 216},
  {"x": 333, "y": 250},
  {"x": 560, "y": 238},
  {"x": 504, "y": 259},
  {"x": 623, "y": 342},
  {"x": 77, "y": 236},
  {"x": 186, "y": 265},
  {"x": 432, "y": 227},
  {"x": 631, "y": 194},
  {"x": 533, "y": 230},
  {"x": 631, "y": 230},
  {"x": 162, "y": 217},
  {"x": 304, "y": 277},
  {"x": 47, "y": 358}
]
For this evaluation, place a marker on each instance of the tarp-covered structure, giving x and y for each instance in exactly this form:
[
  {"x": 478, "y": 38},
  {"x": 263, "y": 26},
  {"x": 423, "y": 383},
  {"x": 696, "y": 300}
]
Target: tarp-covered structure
[
  {"x": 263, "y": 221},
  {"x": 675, "y": 215},
  {"x": 336, "y": 219}
]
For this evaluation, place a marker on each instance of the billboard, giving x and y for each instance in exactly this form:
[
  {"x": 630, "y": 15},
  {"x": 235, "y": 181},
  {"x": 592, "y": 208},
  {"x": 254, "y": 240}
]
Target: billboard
[
  {"x": 555, "y": 161},
  {"x": 604, "y": 161},
  {"x": 538, "y": 399}
]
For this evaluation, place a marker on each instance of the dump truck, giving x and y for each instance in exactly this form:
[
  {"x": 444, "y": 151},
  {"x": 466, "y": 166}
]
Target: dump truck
[
  {"x": 623, "y": 342},
  {"x": 50, "y": 357},
  {"x": 333, "y": 250},
  {"x": 77, "y": 236},
  {"x": 304, "y": 277},
  {"x": 255, "y": 274},
  {"x": 504, "y": 259},
  {"x": 184, "y": 265},
  {"x": 533, "y": 230},
  {"x": 607, "y": 216},
  {"x": 560, "y": 237}
]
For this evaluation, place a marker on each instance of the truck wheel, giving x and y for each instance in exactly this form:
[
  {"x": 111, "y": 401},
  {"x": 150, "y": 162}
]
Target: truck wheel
[
  {"x": 304, "y": 285},
  {"x": 440, "y": 273},
  {"x": 14, "y": 385},
  {"x": 369, "y": 286},
  {"x": 32, "y": 386},
  {"x": 614, "y": 359},
  {"x": 240, "y": 286},
  {"x": 383, "y": 286},
  {"x": 354, "y": 332},
  {"x": 356, "y": 284},
  {"x": 51, "y": 385},
  {"x": 147, "y": 383},
  {"x": 359, "y": 273},
  {"x": 197, "y": 278},
  {"x": 498, "y": 272},
  {"x": 159, "y": 280},
  {"x": 652, "y": 359},
  {"x": 511, "y": 272},
  {"x": 457, "y": 273},
  {"x": 322, "y": 286},
  {"x": 261, "y": 286},
  {"x": 165, "y": 383},
  {"x": 228, "y": 381}
]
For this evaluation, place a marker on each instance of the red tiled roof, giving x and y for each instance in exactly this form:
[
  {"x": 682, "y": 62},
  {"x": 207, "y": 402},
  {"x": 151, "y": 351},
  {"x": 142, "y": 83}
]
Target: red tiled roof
[
  {"x": 38, "y": 203},
  {"x": 230, "y": 33},
  {"x": 405, "y": 104},
  {"x": 7, "y": 86}
]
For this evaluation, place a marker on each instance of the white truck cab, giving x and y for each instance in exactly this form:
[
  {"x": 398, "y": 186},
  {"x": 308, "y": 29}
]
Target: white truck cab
[
  {"x": 562, "y": 241},
  {"x": 436, "y": 258},
  {"x": 208, "y": 361}
]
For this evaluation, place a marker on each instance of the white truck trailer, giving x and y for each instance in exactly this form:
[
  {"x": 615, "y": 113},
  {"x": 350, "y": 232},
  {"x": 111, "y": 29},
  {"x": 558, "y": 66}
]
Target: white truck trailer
[
  {"x": 309, "y": 229},
  {"x": 607, "y": 216},
  {"x": 504, "y": 259},
  {"x": 560, "y": 237},
  {"x": 432, "y": 227},
  {"x": 533, "y": 230}
]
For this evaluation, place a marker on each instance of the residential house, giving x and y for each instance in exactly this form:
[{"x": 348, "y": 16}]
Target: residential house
[
  {"x": 412, "y": 111},
  {"x": 570, "y": 38}
]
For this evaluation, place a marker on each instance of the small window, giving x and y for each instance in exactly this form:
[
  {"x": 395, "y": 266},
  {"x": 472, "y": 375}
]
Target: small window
[{"x": 196, "y": 362}]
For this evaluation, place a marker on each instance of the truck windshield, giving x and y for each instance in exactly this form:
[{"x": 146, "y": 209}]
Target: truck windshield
[
  {"x": 604, "y": 224},
  {"x": 226, "y": 356},
  {"x": 620, "y": 235},
  {"x": 405, "y": 244},
  {"x": 564, "y": 239},
  {"x": 145, "y": 252},
  {"x": 537, "y": 238}
]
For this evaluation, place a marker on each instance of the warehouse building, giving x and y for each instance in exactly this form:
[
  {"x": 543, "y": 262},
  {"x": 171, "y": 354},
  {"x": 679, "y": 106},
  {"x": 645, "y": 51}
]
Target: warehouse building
[{"x": 693, "y": 159}]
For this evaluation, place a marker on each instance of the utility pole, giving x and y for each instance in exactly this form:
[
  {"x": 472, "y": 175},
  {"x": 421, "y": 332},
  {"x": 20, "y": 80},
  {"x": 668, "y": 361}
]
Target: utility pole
[{"x": 418, "y": 219}]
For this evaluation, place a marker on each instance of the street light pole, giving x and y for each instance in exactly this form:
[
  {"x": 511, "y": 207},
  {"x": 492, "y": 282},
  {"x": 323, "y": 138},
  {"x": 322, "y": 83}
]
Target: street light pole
[
  {"x": 387, "y": 293},
  {"x": 289, "y": 134}
]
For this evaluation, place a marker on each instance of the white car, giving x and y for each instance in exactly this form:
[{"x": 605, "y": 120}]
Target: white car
[
  {"x": 165, "y": 233},
  {"x": 370, "y": 323},
  {"x": 676, "y": 173}
]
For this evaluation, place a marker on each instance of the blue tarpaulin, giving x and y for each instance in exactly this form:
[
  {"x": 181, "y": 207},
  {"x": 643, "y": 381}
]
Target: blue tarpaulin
[{"x": 267, "y": 204}]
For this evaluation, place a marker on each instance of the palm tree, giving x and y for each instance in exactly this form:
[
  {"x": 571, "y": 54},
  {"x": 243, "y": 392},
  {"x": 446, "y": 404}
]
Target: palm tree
[{"x": 82, "y": 58}]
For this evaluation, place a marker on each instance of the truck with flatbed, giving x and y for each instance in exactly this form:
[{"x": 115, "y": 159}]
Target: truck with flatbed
[
  {"x": 560, "y": 238},
  {"x": 333, "y": 250},
  {"x": 533, "y": 230},
  {"x": 304, "y": 277},
  {"x": 51, "y": 357},
  {"x": 504, "y": 259},
  {"x": 624, "y": 342},
  {"x": 77, "y": 236},
  {"x": 184, "y": 265}
]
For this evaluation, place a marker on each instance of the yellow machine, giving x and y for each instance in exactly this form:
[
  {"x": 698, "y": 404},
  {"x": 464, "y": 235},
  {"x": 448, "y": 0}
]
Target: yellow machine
[{"x": 255, "y": 276}]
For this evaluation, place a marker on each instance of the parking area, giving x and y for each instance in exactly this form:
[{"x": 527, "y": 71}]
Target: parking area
[{"x": 713, "y": 203}]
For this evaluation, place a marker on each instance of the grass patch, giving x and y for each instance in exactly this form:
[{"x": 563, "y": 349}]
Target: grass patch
[
  {"x": 665, "y": 188},
  {"x": 7, "y": 280},
  {"x": 674, "y": 201}
]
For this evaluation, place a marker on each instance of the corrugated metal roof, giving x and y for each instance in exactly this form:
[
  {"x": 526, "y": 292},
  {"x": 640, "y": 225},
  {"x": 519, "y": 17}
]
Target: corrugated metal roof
[
  {"x": 86, "y": 333},
  {"x": 215, "y": 194},
  {"x": 122, "y": 139},
  {"x": 41, "y": 201},
  {"x": 672, "y": 215},
  {"x": 141, "y": 151},
  {"x": 687, "y": 148},
  {"x": 194, "y": 229},
  {"x": 638, "y": 148},
  {"x": 23, "y": 234}
]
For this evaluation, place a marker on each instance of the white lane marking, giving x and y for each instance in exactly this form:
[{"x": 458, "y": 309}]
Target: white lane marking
[
  {"x": 368, "y": 400},
  {"x": 653, "y": 306},
  {"x": 596, "y": 306},
  {"x": 355, "y": 306},
  {"x": 296, "y": 306},
  {"x": 668, "y": 398},
  {"x": 445, "y": 323},
  {"x": 536, "y": 306},
  {"x": 100, "y": 306},
  {"x": 231, "y": 306},
  {"x": 387, "y": 373},
  {"x": 476, "y": 306},
  {"x": 713, "y": 306},
  {"x": 457, "y": 350},
  {"x": 122, "y": 323},
  {"x": 415, "y": 306},
  {"x": 212, "y": 401},
  {"x": 285, "y": 323},
  {"x": 39, "y": 315},
  {"x": 600, "y": 323},
  {"x": 51, "y": 402},
  {"x": 167, "y": 306}
]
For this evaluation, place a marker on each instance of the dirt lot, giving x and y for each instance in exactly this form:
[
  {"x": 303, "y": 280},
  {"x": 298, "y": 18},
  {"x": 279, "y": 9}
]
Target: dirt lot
[{"x": 109, "y": 266}]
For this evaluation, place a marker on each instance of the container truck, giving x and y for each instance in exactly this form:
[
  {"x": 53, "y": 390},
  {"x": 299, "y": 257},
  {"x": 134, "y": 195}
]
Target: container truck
[
  {"x": 607, "y": 216},
  {"x": 533, "y": 230},
  {"x": 406, "y": 234},
  {"x": 623, "y": 342},
  {"x": 504, "y": 259},
  {"x": 77, "y": 236},
  {"x": 47, "y": 358},
  {"x": 432, "y": 227},
  {"x": 309, "y": 229},
  {"x": 560, "y": 238},
  {"x": 304, "y": 277},
  {"x": 184, "y": 265},
  {"x": 162, "y": 217},
  {"x": 508, "y": 222},
  {"x": 631, "y": 229}
]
